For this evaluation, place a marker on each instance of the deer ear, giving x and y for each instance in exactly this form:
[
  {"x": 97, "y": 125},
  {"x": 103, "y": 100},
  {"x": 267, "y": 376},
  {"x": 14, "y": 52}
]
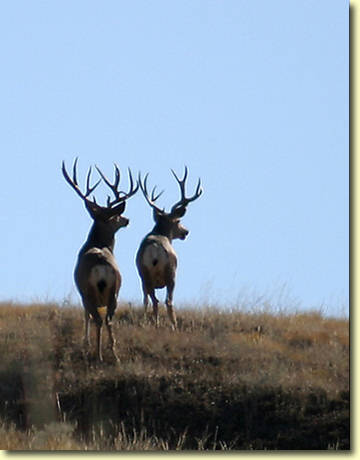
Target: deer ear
[
  {"x": 93, "y": 209},
  {"x": 179, "y": 212},
  {"x": 156, "y": 214},
  {"x": 119, "y": 209}
]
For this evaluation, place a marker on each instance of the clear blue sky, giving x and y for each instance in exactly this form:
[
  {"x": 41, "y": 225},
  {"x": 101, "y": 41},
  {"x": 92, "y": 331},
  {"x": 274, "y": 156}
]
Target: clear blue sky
[{"x": 251, "y": 95}]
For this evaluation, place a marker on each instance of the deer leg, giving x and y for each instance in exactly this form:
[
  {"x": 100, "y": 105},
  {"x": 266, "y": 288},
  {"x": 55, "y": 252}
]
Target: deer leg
[
  {"x": 87, "y": 330},
  {"x": 155, "y": 303},
  {"x": 146, "y": 301},
  {"x": 98, "y": 341},
  {"x": 169, "y": 304},
  {"x": 145, "y": 298},
  {"x": 111, "y": 338},
  {"x": 98, "y": 322},
  {"x": 108, "y": 322}
]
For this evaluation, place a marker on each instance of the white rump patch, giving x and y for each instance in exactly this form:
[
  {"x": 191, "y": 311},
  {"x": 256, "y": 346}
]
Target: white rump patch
[
  {"x": 102, "y": 278},
  {"x": 155, "y": 257},
  {"x": 102, "y": 273}
]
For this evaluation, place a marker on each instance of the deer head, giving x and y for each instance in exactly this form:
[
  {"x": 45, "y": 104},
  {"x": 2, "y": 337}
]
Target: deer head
[
  {"x": 168, "y": 224},
  {"x": 107, "y": 217}
]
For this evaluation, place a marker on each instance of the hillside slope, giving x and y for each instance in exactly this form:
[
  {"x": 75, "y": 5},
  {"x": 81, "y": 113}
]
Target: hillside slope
[{"x": 224, "y": 380}]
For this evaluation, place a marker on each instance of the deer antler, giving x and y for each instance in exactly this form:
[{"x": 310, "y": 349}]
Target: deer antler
[
  {"x": 154, "y": 197},
  {"x": 74, "y": 184},
  {"x": 120, "y": 196},
  {"x": 183, "y": 202}
]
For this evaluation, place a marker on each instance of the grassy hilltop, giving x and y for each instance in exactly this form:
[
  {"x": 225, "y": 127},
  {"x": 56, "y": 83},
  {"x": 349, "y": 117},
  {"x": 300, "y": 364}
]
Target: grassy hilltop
[{"x": 224, "y": 380}]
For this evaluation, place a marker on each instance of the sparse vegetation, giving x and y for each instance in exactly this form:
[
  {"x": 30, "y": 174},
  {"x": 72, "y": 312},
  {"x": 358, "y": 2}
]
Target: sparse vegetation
[{"x": 224, "y": 381}]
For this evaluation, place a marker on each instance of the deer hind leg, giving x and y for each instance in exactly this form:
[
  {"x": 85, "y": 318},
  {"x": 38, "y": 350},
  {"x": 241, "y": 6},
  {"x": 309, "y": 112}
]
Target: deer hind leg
[
  {"x": 146, "y": 304},
  {"x": 98, "y": 341},
  {"x": 155, "y": 303},
  {"x": 146, "y": 299},
  {"x": 87, "y": 330},
  {"x": 169, "y": 305},
  {"x": 99, "y": 322},
  {"x": 112, "y": 341},
  {"x": 108, "y": 323}
]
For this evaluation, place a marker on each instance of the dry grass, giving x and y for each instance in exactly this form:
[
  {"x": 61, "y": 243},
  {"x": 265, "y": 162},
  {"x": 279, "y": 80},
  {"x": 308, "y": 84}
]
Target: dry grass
[{"x": 218, "y": 365}]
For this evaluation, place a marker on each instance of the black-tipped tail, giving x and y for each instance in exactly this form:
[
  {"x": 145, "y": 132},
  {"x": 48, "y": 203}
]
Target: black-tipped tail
[{"x": 101, "y": 285}]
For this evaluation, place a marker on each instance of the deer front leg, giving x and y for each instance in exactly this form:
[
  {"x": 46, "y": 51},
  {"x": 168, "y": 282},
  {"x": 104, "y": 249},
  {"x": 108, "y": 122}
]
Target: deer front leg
[{"x": 169, "y": 305}]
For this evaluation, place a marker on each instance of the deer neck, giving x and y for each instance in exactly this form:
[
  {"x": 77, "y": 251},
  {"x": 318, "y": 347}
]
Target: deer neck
[
  {"x": 162, "y": 230},
  {"x": 99, "y": 238}
]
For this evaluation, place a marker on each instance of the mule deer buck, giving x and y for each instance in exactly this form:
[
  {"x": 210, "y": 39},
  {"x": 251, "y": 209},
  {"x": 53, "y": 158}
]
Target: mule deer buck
[
  {"x": 97, "y": 276},
  {"x": 156, "y": 259}
]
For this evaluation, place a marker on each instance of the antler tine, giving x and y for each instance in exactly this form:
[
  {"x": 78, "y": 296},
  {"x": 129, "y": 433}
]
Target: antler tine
[
  {"x": 198, "y": 191},
  {"x": 132, "y": 190},
  {"x": 113, "y": 187},
  {"x": 119, "y": 195},
  {"x": 155, "y": 197},
  {"x": 183, "y": 202},
  {"x": 181, "y": 182},
  {"x": 74, "y": 184},
  {"x": 89, "y": 189},
  {"x": 74, "y": 170},
  {"x": 143, "y": 186},
  {"x": 106, "y": 180}
]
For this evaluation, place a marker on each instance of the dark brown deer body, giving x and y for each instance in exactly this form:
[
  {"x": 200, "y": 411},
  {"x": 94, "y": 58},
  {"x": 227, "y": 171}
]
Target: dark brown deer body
[
  {"x": 156, "y": 259},
  {"x": 97, "y": 275}
]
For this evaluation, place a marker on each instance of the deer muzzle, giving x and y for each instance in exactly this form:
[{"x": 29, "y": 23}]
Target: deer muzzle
[{"x": 184, "y": 233}]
